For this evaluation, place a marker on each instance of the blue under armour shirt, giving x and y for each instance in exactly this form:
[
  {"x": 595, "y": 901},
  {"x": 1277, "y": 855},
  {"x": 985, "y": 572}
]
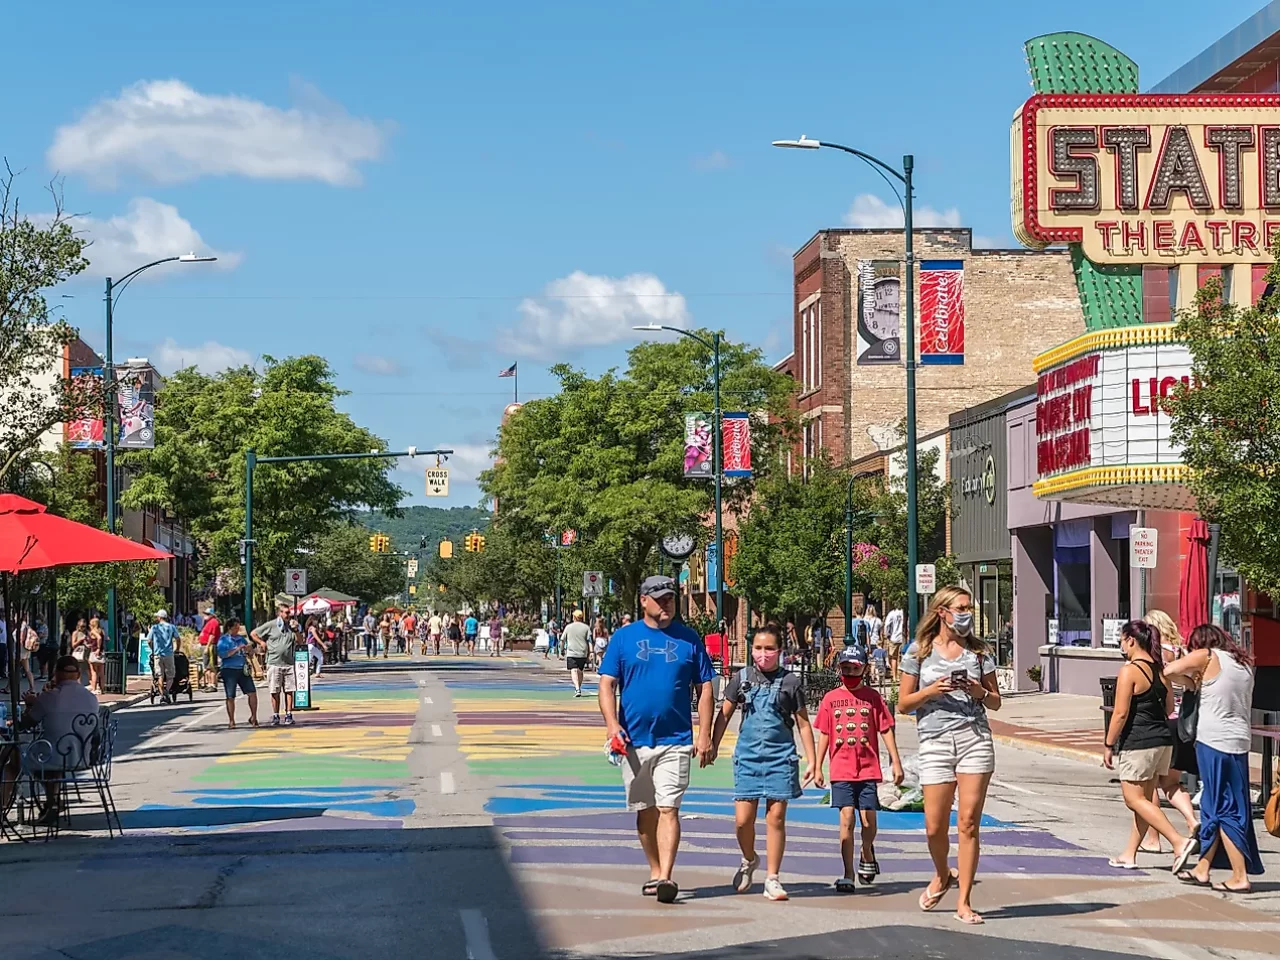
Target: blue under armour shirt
[{"x": 656, "y": 671}]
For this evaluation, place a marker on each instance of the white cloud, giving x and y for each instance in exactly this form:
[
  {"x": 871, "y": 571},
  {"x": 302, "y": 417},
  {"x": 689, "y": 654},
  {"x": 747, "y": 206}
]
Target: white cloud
[
  {"x": 465, "y": 464},
  {"x": 168, "y": 132},
  {"x": 149, "y": 231},
  {"x": 868, "y": 210},
  {"x": 983, "y": 242},
  {"x": 208, "y": 357},
  {"x": 715, "y": 160},
  {"x": 378, "y": 365},
  {"x": 585, "y": 310}
]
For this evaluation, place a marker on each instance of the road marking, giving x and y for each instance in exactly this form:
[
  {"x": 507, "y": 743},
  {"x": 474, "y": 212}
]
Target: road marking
[
  {"x": 435, "y": 730},
  {"x": 156, "y": 741},
  {"x": 1014, "y": 788},
  {"x": 427, "y": 700},
  {"x": 446, "y": 782},
  {"x": 476, "y": 929}
]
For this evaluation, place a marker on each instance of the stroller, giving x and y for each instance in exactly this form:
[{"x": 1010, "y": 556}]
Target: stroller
[{"x": 181, "y": 678}]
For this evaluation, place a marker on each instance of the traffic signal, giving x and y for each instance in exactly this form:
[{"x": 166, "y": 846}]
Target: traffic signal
[
  {"x": 446, "y": 549},
  {"x": 373, "y": 543},
  {"x": 479, "y": 542},
  {"x": 422, "y": 544},
  {"x": 469, "y": 543},
  {"x": 379, "y": 543}
]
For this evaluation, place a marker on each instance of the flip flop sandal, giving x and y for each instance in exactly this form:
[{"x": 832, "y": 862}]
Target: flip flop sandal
[
  {"x": 867, "y": 871},
  {"x": 667, "y": 891},
  {"x": 973, "y": 919},
  {"x": 1189, "y": 878},
  {"x": 1123, "y": 865},
  {"x": 650, "y": 889},
  {"x": 1189, "y": 850},
  {"x": 930, "y": 899},
  {"x": 1157, "y": 850},
  {"x": 845, "y": 885},
  {"x": 1223, "y": 888}
]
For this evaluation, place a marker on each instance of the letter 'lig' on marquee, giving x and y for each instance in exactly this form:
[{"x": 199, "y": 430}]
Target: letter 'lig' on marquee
[{"x": 1146, "y": 178}]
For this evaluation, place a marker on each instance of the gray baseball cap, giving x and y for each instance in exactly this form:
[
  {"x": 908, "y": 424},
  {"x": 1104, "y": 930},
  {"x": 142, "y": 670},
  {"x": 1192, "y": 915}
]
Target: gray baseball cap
[{"x": 658, "y": 587}]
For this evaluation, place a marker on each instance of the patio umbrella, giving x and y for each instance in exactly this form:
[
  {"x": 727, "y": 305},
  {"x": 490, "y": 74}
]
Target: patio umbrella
[
  {"x": 33, "y": 539},
  {"x": 315, "y": 605},
  {"x": 1193, "y": 592}
]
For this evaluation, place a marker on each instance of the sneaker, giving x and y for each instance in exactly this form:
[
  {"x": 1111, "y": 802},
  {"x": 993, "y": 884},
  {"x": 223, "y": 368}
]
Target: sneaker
[
  {"x": 746, "y": 872},
  {"x": 275, "y": 719},
  {"x": 288, "y": 719},
  {"x": 577, "y": 693},
  {"x": 773, "y": 889}
]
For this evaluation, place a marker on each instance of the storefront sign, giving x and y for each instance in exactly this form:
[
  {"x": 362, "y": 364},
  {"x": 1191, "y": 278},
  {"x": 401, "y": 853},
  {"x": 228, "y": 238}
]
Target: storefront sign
[
  {"x": 879, "y": 311},
  {"x": 942, "y": 311},
  {"x": 981, "y": 484},
  {"x": 1143, "y": 543},
  {"x": 1142, "y": 178},
  {"x": 1111, "y": 632}
]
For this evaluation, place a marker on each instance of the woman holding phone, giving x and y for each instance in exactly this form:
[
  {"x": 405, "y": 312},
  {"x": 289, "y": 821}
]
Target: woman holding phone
[{"x": 949, "y": 683}]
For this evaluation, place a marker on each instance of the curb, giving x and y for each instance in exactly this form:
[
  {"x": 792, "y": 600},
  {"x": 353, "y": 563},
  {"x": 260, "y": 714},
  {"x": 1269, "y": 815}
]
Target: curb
[{"x": 1034, "y": 746}]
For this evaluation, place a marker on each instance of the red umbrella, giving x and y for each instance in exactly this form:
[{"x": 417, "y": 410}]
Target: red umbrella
[
  {"x": 1193, "y": 592},
  {"x": 32, "y": 539}
]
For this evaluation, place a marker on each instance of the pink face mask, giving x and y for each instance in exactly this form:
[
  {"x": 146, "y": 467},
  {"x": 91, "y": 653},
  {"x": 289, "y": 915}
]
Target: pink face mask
[{"x": 766, "y": 660}]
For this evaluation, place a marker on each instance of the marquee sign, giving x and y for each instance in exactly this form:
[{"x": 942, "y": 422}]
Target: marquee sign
[
  {"x": 1144, "y": 178},
  {"x": 1101, "y": 435}
]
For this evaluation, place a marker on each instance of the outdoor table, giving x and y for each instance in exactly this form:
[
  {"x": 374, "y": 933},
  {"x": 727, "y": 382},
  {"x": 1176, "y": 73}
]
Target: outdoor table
[{"x": 12, "y": 782}]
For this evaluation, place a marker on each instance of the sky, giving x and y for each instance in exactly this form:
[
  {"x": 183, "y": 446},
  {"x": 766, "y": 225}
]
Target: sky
[{"x": 427, "y": 193}]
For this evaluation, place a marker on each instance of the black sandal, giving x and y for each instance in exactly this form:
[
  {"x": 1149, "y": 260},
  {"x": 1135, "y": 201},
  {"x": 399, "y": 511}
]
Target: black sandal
[
  {"x": 868, "y": 870},
  {"x": 1187, "y": 877},
  {"x": 650, "y": 889},
  {"x": 667, "y": 891}
]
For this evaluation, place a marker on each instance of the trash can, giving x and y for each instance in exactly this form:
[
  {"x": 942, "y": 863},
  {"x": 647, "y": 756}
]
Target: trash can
[
  {"x": 1108, "y": 685},
  {"x": 115, "y": 679}
]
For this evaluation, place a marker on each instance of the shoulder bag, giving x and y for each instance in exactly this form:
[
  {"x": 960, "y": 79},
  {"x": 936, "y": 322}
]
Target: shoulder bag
[{"x": 1188, "y": 715}]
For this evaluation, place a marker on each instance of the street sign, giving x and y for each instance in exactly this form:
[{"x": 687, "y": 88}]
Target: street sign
[
  {"x": 437, "y": 481},
  {"x": 302, "y": 680},
  {"x": 413, "y": 568},
  {"x": 592, "y": 583},
  {"x": 295, "y": 582},
  {"x": 1142, "y": 547},
  {"x": 926, "y": 578}
]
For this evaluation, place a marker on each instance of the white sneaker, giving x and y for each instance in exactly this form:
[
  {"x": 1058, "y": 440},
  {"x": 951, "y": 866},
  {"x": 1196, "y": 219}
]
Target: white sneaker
[
  {"x": 746, "y": 871},
  {"x": 774, "y": 890}
]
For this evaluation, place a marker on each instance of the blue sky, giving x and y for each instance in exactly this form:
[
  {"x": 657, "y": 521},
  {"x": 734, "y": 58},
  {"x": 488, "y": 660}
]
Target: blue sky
[{"x": 426, "y": 193}]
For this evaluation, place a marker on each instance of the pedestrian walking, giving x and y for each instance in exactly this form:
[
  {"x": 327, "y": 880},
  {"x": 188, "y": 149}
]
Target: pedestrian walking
[
  {"x": 649, "y": 673},
  {"x": 495, "y": 635},
  {"x": 434, "y": 626},
  {"x": 599, "y": 642},
  {"x": 1139, "y": 742},
  {"x": 875, "y": 627},
  {"x": 96, "y": 642},
  {"x": 577, "y": 649},
  {"x": 47, "y": 654},
  {"x": 471, "y": 630},
  {"x": 385, "y": 628},
  {"x": 409, "y": 628},
  {"x": 163, "y": 640},
  {"x": 949, "y": 683},
  {"x": 1222, "y": 671},
  {"x": 454, "y": 633},
  {"x": 851, "y": 720},
  {"x": 765, "y": 766},
  {"x": 279, "y": 637},
  {"x": 231, "y": 648},
  {"x": 369, "y": 627},
  {"x": 316, "y": 645},
  {"x": 553, "y": 638},
  {"x": 79, "y": 646},
  {"x": 893, "y": 634}
]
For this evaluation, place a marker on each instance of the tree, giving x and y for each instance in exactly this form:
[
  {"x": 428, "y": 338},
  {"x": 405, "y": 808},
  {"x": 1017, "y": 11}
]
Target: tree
[
  {"x": 605, "y": 455},
  {"x": 204, "y": 425},
  {"x": 1228, "y": 423},
  {"x": 35, "y": 255},
  {"x": 341, "y": 560}
]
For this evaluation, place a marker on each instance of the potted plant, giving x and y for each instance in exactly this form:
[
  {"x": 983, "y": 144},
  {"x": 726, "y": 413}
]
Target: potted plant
[{"x": 1035, "y": 675}]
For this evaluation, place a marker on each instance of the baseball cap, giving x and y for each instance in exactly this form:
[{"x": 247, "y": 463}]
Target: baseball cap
[
  {"x": 162, "y": 614},
  {"x": 657, "y": 587},
  {"x": 852, "y": 654}
]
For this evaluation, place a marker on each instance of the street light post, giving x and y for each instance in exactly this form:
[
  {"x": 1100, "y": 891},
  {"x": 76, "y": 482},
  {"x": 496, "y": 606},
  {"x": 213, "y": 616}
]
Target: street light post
[
  {"x": 905, "y": 177},
  {"x": 717, "y": 452},
  {"x": 111, "y": 415}
]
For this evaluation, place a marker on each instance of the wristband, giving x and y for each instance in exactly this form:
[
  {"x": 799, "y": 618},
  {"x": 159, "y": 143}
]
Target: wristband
[{"x": 1108, "y": 746}]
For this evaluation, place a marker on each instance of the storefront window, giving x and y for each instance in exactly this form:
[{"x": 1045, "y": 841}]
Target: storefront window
[
  {"x": 1226, "y": 602},
  {"x": 1071, "y": 576}
]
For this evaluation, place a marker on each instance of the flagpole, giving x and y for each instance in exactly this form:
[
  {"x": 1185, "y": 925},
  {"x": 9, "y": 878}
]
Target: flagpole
[{"x": 515, "y": 384}]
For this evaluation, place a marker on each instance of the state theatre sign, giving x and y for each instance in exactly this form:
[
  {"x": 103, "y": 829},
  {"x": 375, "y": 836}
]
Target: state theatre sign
[
  {"x": 1144, "y": 179},
  {"x": 1101, "y": 435}
]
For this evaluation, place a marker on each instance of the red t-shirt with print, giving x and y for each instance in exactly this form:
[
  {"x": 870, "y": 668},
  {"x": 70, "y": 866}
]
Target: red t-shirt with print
[{"x": 853, "y": 721}]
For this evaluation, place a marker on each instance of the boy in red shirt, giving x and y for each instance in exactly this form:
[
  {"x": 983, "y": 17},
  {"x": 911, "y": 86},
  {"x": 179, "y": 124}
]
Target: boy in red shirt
[{"x": 850, "y": 721}]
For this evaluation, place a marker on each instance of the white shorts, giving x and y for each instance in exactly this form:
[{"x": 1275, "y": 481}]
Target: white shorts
[
  {"x": 656, "y": 776},
  {"x": 281, "y": 679},
  {"x": 966, "y": 749}
]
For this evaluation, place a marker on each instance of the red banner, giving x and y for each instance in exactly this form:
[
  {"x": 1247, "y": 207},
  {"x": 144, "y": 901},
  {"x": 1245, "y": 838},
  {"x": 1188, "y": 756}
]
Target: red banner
[
  {"x": 735, "y": 438},
  {"x": 942, "y": 311}
]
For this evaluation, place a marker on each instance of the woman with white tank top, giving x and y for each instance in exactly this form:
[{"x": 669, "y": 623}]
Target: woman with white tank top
[{"x": 1223, "y": 671}]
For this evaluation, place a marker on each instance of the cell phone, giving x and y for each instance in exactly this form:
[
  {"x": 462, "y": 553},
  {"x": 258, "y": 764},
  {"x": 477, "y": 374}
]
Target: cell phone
[{"x": 959, "y": 678}]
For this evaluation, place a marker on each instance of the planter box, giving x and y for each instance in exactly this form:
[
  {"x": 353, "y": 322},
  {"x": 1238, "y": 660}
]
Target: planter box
[{"x": 525, "y": 643}]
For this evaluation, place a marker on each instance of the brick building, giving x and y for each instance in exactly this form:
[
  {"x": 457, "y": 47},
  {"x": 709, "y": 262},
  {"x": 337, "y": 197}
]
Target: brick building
[{"x": 1017, "y": 303}]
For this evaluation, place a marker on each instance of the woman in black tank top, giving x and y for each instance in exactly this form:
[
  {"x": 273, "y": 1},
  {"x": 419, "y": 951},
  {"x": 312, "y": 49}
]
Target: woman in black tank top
[{"x": 1139, "y": 744}]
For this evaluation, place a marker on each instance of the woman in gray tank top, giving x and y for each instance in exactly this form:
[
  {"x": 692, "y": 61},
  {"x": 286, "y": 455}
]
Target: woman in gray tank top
[{"x": 1223, "y": 671}]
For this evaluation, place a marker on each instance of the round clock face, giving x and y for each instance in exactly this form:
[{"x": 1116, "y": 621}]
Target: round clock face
[{"x": 677, "y": 545}]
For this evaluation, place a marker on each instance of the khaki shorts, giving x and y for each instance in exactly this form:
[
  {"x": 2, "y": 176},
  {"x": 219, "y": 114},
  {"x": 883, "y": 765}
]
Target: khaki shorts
[
  {"x": 656, "y": 776},
  {"x": 281, "y": 679},
  {"x": 1139, "y": 766},
  {"x": 966, "y": 749}
]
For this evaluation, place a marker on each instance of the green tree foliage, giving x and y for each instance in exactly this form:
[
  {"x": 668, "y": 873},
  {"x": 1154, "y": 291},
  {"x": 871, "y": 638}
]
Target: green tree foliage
[
  {"x": 35, "y": 255},
  {"x": 605, "y": 455},
  {"x": 341, "y": 560},
  {"x": 1228, "y": 424},
  {"x": 407, "y": 528},
  {"x": 204, "y": 425}
]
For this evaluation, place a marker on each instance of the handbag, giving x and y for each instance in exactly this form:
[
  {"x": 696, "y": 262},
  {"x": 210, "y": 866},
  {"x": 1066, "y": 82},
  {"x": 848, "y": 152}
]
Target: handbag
[
  {"x": 1188, "y": 716},
  {"x": 1271, "y": 818}
]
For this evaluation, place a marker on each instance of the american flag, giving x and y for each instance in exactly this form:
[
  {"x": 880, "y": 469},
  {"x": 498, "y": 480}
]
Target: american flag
[{"x": 509, "y": 372}]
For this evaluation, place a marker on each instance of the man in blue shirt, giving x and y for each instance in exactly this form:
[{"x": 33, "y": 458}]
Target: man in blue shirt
[
  {"x": 471, "y": 630},
  {"x": 163, "y": 638},
  {"x": 646, "y": 679}
]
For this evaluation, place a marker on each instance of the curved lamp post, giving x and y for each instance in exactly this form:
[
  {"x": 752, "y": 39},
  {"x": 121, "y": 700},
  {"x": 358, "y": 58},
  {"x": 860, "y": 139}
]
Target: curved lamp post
[{"x": 904, "y": 176}]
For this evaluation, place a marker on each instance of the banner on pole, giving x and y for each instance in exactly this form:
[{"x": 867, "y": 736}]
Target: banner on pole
[
  {"x": 735, "y": 444},
  {"x": 697, "y": 446},
  {"x": 879, "y": 312},
  {"x": 942, "y": 311},
  {"x": 85, "y": 433},
  {"x": 136, "y": 400}
]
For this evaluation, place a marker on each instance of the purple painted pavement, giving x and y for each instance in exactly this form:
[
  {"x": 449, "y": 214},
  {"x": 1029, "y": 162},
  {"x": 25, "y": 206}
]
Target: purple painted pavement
[
  {"x": 815, "y": 866},
  {"x": 727, "y": 841}
]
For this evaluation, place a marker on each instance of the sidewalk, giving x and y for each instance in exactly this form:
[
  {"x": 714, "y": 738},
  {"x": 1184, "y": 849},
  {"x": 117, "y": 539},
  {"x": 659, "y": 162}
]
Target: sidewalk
[{"x": 1062, "y": 724}]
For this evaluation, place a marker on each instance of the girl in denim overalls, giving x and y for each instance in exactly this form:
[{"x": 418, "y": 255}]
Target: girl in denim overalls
[{"x": 765, "y": 766}]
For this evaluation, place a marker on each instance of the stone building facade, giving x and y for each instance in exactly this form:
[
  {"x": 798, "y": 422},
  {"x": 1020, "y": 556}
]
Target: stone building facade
[{"x": 1017, "y": 304}]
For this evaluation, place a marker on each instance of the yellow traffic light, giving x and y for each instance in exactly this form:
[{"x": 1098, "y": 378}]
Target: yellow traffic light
[
  {"x": 479, "y": 543},
  {"x": 412, "y": 589},
  {"x": 446, "y": 549},
  {"x": 373, "y": 543}
]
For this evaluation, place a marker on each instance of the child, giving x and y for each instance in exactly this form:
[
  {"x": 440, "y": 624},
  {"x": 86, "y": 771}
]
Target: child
[
  {"x": 880, "y": 660},
  {"x": 851, "y": 719},
  {"x": 764, "y": 762}
]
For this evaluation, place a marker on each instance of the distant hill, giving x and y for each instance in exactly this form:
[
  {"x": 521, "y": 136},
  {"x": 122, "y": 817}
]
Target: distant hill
[{"x": 434, "y": 523}]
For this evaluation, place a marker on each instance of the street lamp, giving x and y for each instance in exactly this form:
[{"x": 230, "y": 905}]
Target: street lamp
[
  {"x": 110, "y": 422},
  {"x": 714, "y": 347},
  {"x": 904, "y": 176}
]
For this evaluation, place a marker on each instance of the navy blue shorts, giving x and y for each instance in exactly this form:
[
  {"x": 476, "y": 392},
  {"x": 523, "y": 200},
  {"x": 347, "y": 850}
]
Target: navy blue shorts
[
  {"x": 234, "y": 678},
  {"x": 861, "y": 794}
]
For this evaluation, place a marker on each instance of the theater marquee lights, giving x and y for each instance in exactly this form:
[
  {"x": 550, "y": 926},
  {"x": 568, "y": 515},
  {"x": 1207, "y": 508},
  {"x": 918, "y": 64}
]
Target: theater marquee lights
[{"x": 1140, "y": 178}]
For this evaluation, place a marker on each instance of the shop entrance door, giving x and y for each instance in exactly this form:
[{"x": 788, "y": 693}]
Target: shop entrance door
[{"x": 988, "y": 606}]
